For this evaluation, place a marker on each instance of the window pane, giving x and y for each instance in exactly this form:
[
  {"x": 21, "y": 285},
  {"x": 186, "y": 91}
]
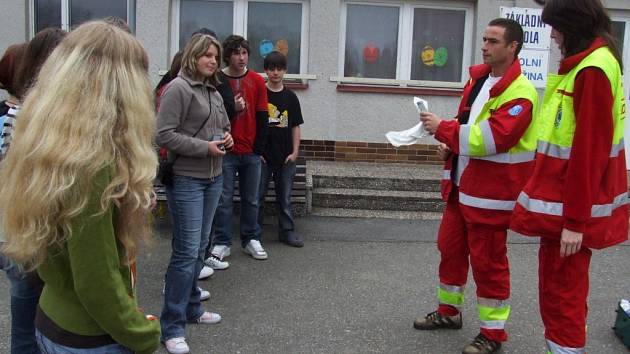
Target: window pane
[
  {"x": 619, "y": 29},
  {"x": 85, "y": 10},
  {"x": 438, "y": 44},
  {"x": 214, "y": 15},
  {"x": 274, "y": 26},
  {"x": 47, "y": 14},
  {"x": 371, "y": 41}
]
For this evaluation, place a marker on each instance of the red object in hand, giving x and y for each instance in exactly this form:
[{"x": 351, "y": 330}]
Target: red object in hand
[{"x": 370, "y": 53}]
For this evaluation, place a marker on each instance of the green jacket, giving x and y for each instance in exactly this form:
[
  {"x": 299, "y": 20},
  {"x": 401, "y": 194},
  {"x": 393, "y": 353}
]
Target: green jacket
[{"x": 88, "y": 290}]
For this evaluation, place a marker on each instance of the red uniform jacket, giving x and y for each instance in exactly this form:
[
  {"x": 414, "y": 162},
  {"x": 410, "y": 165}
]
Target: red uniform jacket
[{"x": 482, "y": 178}]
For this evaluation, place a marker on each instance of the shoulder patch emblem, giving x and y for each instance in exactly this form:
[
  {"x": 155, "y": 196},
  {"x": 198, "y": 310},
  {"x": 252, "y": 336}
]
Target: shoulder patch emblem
[{"x": 516, "y": 110}]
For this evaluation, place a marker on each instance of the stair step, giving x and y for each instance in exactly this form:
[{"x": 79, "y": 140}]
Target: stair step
[
  {"x": 370, "y": 199},
  {"x": 377, "y": 183},
  {"x": 381, "y": 214}
]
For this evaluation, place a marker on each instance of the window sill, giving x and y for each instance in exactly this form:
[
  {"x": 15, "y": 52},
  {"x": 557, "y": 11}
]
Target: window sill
[
  {"x": 293, "y": 85},
  {"x": 416, "y": 87},
  {"x": 420, "y": 91}
]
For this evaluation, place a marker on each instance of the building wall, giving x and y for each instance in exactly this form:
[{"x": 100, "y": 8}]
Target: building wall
[
  {"x": 14, "y": 17},
  {"x": 329, "y": 114}
]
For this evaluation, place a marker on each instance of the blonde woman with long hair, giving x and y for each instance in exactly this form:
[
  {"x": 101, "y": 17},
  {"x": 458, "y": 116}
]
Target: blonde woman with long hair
[
  {"x": 76, "y": 190},
  {"x": 194, "y": 127}
]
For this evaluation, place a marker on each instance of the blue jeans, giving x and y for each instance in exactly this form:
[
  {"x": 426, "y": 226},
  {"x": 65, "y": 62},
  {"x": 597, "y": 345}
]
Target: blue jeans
[
  {"x": 283, "y": 184},
  {"x": 49, "y": 347},
  {"x": 248, "y": 168},
  {"x": 192, "y": 203},
  {"x": 25, "y": 291}
]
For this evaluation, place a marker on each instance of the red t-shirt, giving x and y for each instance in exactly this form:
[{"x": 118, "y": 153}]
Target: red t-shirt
[{"x": 252, "y": 87}]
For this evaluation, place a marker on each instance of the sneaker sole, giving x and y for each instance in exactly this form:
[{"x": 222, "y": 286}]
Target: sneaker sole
[
  {"x": 421, "y": 328},
  {"x": 260, "y": 258},
  {"x": 218, "y": 268},
  {"x": 206, "y": 277},
  {"x": 209, "y": 264}
]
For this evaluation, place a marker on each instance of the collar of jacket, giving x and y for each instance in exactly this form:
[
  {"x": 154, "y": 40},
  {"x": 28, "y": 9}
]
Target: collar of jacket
[
  {"x": 512, "y": 73},
  {"x": 193, "y": 82},
  {"x": 569, "y": 63}
]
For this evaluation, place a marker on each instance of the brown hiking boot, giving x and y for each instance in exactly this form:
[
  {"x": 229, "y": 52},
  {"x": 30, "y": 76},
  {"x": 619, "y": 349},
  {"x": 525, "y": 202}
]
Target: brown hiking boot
[
  {"x": 436, "y": 321},
  {"x": 482, "y": 345}
]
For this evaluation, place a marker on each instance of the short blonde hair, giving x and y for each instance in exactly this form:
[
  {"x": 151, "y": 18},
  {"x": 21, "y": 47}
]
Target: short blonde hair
[
  {"x": 195, "y": 48},
  {"x": 91, "y": 108}
]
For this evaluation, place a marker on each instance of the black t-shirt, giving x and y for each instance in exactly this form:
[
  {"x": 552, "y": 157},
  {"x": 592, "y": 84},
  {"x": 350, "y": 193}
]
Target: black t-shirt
[{"x": 284, "y": 114}]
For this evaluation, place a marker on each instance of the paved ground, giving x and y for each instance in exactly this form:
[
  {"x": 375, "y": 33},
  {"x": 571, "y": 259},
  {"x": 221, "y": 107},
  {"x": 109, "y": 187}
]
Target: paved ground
[{"x": 356, "y": 287}]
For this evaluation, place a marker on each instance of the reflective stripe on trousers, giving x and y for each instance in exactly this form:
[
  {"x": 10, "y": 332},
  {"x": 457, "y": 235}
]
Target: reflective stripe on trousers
[
  {"x": 558, "y": 349},
  {"x": 493, "y": 313},
  {"x": 555, "y": 209},
  {"x": 451, "y": 295}
]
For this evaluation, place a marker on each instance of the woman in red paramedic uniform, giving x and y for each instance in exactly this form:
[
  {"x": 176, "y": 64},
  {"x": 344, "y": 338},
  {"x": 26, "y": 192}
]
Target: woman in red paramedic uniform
[{"x": 576, "y": 199}]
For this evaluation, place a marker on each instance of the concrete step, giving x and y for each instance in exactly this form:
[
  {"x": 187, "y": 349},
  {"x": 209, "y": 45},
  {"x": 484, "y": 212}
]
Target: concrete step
[
  {"x": 372, "y": 199},
  {"x": 378, "y": 214},
  {"x": 377, "y": 183}
]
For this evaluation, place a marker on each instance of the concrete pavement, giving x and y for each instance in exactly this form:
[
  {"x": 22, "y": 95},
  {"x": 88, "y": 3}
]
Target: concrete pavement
[{"x": 356, "y": 287}]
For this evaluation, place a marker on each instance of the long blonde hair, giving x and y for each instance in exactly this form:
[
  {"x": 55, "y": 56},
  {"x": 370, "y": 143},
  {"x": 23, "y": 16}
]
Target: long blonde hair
[{"x": 91, "y": 108}]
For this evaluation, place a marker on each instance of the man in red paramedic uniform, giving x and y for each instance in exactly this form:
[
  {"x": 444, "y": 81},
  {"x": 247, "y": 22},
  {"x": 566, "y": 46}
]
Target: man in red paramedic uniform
[{"x": 489, "y": 151}]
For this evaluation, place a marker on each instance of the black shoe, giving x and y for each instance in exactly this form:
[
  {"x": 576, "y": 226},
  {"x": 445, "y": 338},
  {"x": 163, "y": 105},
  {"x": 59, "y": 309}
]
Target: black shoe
[
  {"x": 291, "y": 240},
  {"x": 435, "y": 320},
  {"x": 482, "y": 345}
]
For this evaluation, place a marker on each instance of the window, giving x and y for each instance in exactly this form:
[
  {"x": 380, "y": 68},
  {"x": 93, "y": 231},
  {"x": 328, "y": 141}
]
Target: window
[
  {"x": 68, "y": 14},
  {"x": 408, "y": 43},
  {"x": 214, "y": 15},
  {"x": 267, "y": 24},
  {"x": 619, "y": 31},
  {"x": 370, "y": 51},
  {"x": 441, "y": 33},
  {"x": 278, "y": 25}
]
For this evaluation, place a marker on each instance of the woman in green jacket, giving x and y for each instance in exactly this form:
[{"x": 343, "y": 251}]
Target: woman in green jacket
[{"x": 76, "y": 191}]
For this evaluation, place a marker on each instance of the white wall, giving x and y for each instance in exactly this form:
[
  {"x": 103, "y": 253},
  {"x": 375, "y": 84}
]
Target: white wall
[{"x": 328, "y": 114}]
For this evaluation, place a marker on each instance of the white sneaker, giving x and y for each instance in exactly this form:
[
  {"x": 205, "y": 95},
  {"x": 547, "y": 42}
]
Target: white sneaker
[
  {"x": 215, "y": 263},
  {"x": 255, "y": 249},
  {"x": 205, "y": 294},
  {"x": 206, "y": 272},
  {"x": 177, "y": 345},
  {"x": 209, "y": 318},
  {"x": 221, "y": 251}
]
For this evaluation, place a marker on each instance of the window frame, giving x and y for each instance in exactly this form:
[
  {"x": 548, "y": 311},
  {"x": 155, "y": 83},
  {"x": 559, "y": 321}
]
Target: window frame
[
  {"x": 405, "y": 40},
  {"x": 619, "y": 16},
  {"x": 65, "y": 16},
  {"x": 239, "y": 27}
]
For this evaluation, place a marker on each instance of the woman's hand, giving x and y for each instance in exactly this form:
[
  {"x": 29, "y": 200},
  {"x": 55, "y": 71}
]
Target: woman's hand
[
  {"x": 213, "y": 148},
  {"x": 228, "y": 142},
  {"x": 570, "y": 242}
]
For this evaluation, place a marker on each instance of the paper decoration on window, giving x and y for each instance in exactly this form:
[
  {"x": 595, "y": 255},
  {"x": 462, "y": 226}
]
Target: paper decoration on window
[
  {"x": 265, "y": 47},
  {"x": 370, "y": 52},
  {"x": 428, "y": 55},
  {"x": 282, "y": 45},
  {"x": 440, "y": 57}
]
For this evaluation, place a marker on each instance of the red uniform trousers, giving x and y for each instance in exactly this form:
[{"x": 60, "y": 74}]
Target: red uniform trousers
[
  {"x": 486, "y": 246},
  {"x": 562, "y": 291}
]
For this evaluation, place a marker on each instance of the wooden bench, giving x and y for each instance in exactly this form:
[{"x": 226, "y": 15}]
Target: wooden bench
[{"x": 298, "y": 193}]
